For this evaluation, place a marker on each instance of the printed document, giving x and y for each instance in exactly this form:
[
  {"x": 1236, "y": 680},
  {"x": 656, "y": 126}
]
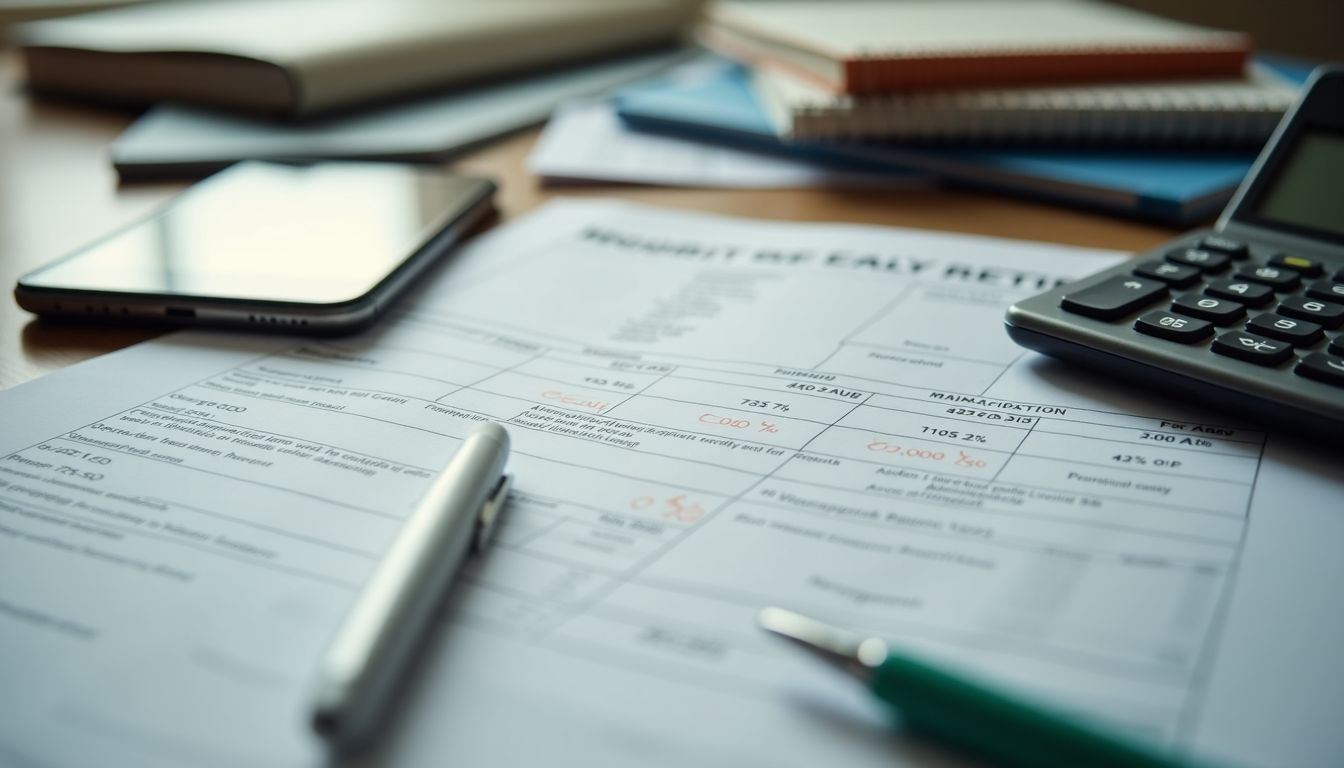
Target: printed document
[{"x": 709, "y": 416}]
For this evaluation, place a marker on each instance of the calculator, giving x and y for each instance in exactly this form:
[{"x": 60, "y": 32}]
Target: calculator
[{"x": 1245, "y": 316}]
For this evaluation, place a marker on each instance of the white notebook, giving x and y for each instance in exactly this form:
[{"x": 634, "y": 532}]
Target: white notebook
[
  {"x": 870, "y": 47},
  {"x": 1233, "y": 112},
  {"x": 300, "y": 58}
]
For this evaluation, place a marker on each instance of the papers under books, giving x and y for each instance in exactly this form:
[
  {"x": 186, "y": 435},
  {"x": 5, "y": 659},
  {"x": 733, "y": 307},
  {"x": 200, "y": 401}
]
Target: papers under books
[{"x": 586, "y": 141}]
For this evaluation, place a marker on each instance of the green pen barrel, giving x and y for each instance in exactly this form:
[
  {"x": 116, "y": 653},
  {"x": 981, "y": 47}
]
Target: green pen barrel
[{"x": 1005, "y": 728}]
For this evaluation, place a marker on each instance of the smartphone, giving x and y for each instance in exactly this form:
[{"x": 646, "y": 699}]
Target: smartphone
[{"x": 321, "y": 248}]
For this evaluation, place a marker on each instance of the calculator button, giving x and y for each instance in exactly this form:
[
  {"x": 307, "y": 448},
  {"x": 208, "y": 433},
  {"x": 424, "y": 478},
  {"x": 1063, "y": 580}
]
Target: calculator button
[
  {"x": 1207, "y": 261},
  {"x": 1114, "y": 298},
  {"x": 1325, "y": 289},
  {"x": 1240, "y": 291},
  {"x": 1278, "y": 278},
  {"x": 1336, "y": 346},
  {"x": 1175, "y": 275},
  {"x": 1300, "y": 264},
  {"x": 1236, "y": 249},
  {"x": 1322, "y": 367},
  {"x": 1299, "y": 333},
  {"x": 1252, "y": 348},
  {"x": 1218, "y": 311},
  {"x": 1165, "y": 325},
  {"x": 1326, "y": 313},
  {"x": 1338, "y": 277}
]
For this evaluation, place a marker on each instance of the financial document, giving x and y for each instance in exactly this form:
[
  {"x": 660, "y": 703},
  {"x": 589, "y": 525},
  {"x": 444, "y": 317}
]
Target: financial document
[{"x": 709, "y": 416}]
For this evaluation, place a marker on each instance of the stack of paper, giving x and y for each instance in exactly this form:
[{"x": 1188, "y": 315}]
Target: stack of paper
[{"x": 586, "y": 141}]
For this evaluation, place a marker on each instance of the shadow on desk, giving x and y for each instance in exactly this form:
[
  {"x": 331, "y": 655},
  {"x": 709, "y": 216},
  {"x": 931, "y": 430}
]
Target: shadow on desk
[{"x": 80, "y": 341}]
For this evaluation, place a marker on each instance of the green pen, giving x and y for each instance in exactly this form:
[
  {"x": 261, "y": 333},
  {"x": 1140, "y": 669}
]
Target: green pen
[{"x": 954, "y": 710}]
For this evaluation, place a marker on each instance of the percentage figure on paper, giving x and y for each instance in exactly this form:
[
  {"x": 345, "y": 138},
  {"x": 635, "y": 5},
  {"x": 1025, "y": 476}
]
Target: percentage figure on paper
[
  {"x": 734, "y": 422},
  {"x": 1144, "y": 461},
  {"x": 952, "y": 434},
  {"x": 575, "y": 401},
  {"x": 878, "y": 445},
  {"x": 969, "y": 461},
  {"x": 677, "y": 508},
  {"x": 765, "y": 404}
]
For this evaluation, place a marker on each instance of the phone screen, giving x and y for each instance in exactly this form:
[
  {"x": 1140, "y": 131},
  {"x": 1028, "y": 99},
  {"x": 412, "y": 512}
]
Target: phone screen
[{"x": 322, "y": 234}]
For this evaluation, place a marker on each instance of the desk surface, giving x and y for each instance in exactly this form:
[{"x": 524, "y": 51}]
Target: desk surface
[{"x": 58, "y": 191}]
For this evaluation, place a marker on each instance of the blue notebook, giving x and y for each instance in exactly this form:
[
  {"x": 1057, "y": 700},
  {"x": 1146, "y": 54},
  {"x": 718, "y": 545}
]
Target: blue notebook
[{"x": 1170, "y": 187}]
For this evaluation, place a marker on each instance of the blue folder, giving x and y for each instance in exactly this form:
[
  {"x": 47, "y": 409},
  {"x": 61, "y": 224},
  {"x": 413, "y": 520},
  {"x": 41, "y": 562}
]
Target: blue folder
[{"x": 1171, "y": 187}]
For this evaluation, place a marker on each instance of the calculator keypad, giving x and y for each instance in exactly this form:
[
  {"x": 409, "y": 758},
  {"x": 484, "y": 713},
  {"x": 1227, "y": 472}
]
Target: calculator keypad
[
  {"x": 1115, "y": 298},
  {"x": 1299, "y": 264},
  {"x": 1218, "y": 311},
  {"x": 1205, "y": 261},
  {"x": 1327, "y": 290},
  {"x": 1175, "y": 275},
  {"x": 1240, "y": 291},
  {"x": 1299, "y": 333},
  {"x": 1252, "y": 348},
  {"x": 1235, "y": 249},
  {"x": 1167, "y": 325},
  {"x": 1278, "y": 278},
  {"x": 1292, "y": 322},
  {"x": 1326, "y": 313}
]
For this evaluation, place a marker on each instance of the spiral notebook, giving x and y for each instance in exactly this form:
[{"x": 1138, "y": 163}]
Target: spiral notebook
[
  {"x": 1175, "y": 188},
  {"x": 1234, "y": 112},
  {"x": 855, "y": 46}
]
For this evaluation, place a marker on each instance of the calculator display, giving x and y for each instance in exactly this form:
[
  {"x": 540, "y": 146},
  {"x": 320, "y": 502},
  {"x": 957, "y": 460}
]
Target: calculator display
[{"x": 1308, "y": 190}]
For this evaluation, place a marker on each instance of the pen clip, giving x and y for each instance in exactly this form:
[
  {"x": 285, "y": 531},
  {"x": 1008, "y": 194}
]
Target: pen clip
[{"x": 490, "y": 508}]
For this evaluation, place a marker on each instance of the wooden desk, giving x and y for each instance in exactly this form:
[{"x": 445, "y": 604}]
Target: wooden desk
[{"x": 58, "y": 191}]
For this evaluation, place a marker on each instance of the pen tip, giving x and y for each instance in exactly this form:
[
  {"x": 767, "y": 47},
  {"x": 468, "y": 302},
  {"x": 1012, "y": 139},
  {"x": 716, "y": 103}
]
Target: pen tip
[{"x": 853, "y": 653}]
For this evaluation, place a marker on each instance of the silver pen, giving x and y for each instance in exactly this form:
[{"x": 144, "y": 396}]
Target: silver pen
[{"x": 368, "y": 655}]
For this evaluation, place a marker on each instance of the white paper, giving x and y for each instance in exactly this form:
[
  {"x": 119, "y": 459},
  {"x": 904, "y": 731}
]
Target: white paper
[
  {"x": 709, "y": 416},
  {"x": 585, "y": 141}
]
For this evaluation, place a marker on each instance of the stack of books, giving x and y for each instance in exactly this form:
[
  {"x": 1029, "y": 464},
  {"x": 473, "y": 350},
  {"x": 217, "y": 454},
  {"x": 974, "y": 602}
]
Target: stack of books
[
  {"x": 1072, "y": 100},
  {"x": 419, "y": 80}
]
